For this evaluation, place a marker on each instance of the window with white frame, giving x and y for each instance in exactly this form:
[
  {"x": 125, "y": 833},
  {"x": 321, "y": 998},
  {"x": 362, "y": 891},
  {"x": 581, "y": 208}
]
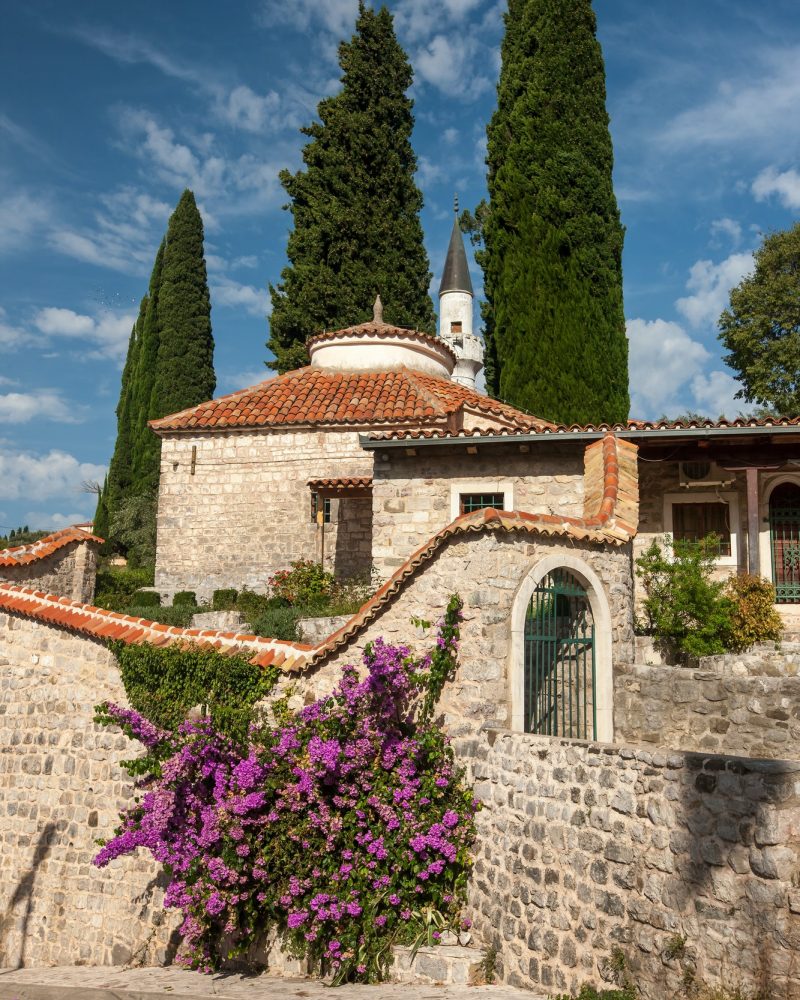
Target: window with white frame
[
  {"x": 467, "y": 495},
  {"x": 692, "y": 516}
]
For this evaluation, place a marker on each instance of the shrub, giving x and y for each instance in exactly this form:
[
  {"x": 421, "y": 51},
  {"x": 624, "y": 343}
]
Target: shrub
[
  {"x": 252, "y": 604},
  {"x": 277, "y": 623},
  {"x": 754, "y": 618},
  {"x": 686, "y": 610},
  {"x": 341, "y": 825},
  {"x": 116, "y": 585},
  {"x": 146, "y": 599},
  {"x": 224, "y": 600},
  {"x": 184, "y": 597},
  {"x": 180, "y": 615},
  {"x": 305, "y": 582}
]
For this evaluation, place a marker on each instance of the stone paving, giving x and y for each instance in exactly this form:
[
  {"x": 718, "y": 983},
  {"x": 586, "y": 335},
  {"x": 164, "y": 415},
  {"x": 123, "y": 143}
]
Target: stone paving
[{"x": 118, "y": 983}]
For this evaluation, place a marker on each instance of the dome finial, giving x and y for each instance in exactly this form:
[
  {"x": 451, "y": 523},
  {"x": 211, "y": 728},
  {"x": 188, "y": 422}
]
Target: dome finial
[
  {"x": 377, "y": 310},
  {"x": 455, "y": 203}
]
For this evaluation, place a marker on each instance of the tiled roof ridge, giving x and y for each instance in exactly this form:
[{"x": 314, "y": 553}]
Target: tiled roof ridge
[
  {"x": 616, "y": 487},
  {"x": 381, "y": 330},
  {"x": 102, "y": 624},
  {"x": 23, "y": 555},
  {"x": 485, "y": 404}
]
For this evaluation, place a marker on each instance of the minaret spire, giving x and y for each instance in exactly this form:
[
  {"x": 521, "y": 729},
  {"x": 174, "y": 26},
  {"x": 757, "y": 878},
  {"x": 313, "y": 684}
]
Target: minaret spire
[{"x": 455, "y": 308}]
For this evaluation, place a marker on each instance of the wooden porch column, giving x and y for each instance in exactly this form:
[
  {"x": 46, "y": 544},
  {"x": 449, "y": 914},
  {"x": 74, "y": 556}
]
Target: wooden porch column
[{"x": 753, "y": 561}]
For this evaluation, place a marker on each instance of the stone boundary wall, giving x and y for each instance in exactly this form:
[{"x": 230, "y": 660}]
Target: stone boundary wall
[
  {"x": 61, "y": 787},
  {"x": 64, "y": 564},
  {"x": 586, "y": 848},
  {"x": 741, "y": 705}
]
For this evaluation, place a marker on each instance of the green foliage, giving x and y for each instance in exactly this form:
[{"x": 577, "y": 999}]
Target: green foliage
[
  {"x": 116, "y": 585},
  {"x": 165, "y": 682},
  {"x": 278, "y": 623},
  {"x": 133, "y": 527},
  {"x": 185, "y": 361},
  {"x": 761, "y": 327},
  {"x": 753, "y": 618},
  {"x": 687, "y": 611},
  {"x": 552, "y": 259},
  {"x": 185, "y": 597},
  {"x": 223, "y": 600},
  {"x": 179, "y": 614},
  {"x": 355, "y": 205},
  {"x": 21, "y": 536},
  {"x": 146, "y": 599},
  {"x": 305, "y": 582},
  {"x": 589, "y": 992}
]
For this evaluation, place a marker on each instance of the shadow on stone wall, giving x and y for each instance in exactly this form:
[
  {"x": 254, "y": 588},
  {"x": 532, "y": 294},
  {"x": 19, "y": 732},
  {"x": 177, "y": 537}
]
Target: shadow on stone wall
[{"x": 23, "y": 895}]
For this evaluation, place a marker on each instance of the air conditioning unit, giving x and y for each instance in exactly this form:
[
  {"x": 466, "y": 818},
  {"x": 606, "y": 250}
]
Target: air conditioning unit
[{"x": 703, "y": 474}]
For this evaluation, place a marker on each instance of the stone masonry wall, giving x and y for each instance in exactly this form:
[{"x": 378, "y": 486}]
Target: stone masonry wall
[
  {"x": 736, "y": 704},
  {"x": 685, "y": 863},
  {"x": 486, "y": 571},
  {"x": 61, "y": 787},
  {"x": 69, "y": 572},
  {"x": 412, "y": 494},
  {"x": 246, "y": 511}
]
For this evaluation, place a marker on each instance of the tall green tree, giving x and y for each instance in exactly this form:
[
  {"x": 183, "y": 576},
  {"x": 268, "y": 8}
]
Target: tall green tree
[
  {"x": 761, "y": 326},
  {"x": 169, "y": 367},
  {"x": 355, "y": 205},
  {"x": 552, "y": 258}
]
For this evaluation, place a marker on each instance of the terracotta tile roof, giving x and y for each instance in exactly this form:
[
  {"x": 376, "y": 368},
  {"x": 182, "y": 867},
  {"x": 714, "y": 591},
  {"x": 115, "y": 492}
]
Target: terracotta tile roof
[
  {"x": 313, "y": 396},
  {"x": 347, "y": 483},
  {"x": 554, "y": 430},
  {"x": 610, "y": 483},
  {"x": 22, "y": 555},
  {"x": 101, "y": 624}
]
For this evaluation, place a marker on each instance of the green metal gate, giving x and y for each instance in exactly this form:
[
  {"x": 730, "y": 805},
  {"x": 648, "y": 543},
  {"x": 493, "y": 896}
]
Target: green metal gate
[
  {"x": 784, "y": 532},
  {"x": 560, "y": 660}
]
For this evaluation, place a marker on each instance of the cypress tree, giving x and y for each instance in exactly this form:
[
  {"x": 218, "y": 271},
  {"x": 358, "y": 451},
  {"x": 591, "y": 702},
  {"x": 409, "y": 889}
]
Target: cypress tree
[
  {"x": 552, "y": 258},
  {"x": 146, "y": 448},
  {"x": 355, "y": 204},
  {"x": 185, "y": 362}
]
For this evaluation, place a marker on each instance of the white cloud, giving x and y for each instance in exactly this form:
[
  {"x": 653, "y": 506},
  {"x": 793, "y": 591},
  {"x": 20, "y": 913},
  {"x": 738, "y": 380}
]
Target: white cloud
[
  {"x": 227, "y": 292},
  {"x": 753, "y": 107},
  {"x": 21, "y": 216},
  {"x": 447, "y": 61},
  {"x": 28, "y": 476},
  {"x": 729, "y": 228},
  {"x": 336, "y": 16},
  {"x": 13, "y": 337},
  {"x": 38, "y": 520},
  {"x": 244, "y": 108},
  {"x": 663, "y": 360},
  {"x": 714, "y": 394},
  {"x": 244, "y": 379},
  {"x": 450, "y": 136},
  {"x": 710, "y": 285},
  {"x": 44, "y": 404},
  {"x": 125, "y": 234},
  {"x": 428, "y": 172},
  {"x": 106, "y": 334},
  {"x": 785, "y": 185}
]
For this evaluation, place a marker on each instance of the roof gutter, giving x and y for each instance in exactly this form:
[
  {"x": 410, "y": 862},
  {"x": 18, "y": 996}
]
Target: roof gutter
[{"x": 370, "y": 444}]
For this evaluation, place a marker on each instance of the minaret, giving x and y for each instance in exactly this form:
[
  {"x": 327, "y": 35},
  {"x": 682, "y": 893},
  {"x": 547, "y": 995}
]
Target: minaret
[{"x": 455, "y": 310}]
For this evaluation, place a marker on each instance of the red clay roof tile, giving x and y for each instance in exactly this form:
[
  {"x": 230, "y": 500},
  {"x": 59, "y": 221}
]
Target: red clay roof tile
[{"x": 22, "y": 555}]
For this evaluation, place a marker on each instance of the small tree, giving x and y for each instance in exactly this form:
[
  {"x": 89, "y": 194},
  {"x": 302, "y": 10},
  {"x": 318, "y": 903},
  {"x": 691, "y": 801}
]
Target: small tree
[
  {"x": 687, "y": 611},
  {"x": 761, "y": 326}
]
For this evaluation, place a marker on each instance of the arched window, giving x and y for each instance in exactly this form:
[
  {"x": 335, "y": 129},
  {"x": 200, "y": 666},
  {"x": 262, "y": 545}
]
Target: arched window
[
  {"x": 559, "y": 664},
  {"x": 784, "y": 530},
  {"x": 561, "y": 649}
]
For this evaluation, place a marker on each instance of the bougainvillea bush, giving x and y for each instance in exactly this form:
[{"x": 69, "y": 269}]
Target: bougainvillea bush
[{"x": 346, "y": 826}]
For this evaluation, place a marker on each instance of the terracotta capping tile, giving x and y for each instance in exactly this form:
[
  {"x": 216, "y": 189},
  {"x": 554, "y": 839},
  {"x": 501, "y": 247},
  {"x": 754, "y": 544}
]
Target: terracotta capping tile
[{"x": 24, "y": 555}]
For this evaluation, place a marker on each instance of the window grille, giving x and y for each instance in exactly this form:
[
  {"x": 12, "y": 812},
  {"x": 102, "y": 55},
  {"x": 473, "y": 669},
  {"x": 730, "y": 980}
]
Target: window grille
[
  {"x": 480, "y": 501},
  {"x": 315, "y": 508},
  {"x": 692, "y": 522}
]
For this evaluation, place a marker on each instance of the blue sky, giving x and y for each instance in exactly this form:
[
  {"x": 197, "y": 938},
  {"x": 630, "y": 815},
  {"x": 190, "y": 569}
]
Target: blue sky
[{"x": 108, "y": 111}]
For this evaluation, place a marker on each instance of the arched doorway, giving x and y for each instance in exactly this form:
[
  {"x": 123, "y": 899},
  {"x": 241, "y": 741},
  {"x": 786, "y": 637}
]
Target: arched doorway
[
  {"x": 560, "y": 683},
  {"x": 586, "y": 606},
  {"x": 784, "y": 533}
]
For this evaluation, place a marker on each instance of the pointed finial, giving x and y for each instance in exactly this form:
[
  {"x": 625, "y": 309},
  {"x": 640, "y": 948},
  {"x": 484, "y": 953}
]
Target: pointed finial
[
  {"x": 377, "y": 310},
  {"x": 455, "y": 204}
]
